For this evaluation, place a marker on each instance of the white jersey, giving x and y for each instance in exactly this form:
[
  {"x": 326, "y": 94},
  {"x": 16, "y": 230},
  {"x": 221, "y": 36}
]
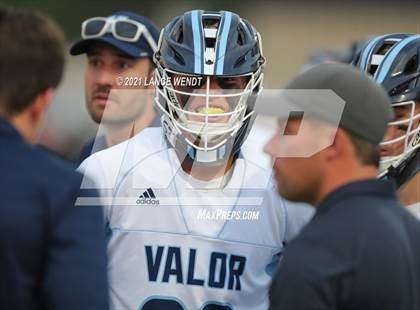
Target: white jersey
[{"x": 180, "y": 243}]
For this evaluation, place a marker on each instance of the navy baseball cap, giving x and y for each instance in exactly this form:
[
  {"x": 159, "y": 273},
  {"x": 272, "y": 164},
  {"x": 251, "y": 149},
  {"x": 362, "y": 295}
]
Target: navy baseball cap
[{"x": 137, "y": 49}]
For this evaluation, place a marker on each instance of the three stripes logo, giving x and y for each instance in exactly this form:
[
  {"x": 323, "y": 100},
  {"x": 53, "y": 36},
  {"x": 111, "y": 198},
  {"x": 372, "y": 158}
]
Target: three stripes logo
[{"x": 148, "y": 198}]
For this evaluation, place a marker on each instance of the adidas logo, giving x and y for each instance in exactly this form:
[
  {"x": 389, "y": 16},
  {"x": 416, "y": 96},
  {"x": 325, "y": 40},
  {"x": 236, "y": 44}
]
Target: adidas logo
[{"x": 148, "y": 198}]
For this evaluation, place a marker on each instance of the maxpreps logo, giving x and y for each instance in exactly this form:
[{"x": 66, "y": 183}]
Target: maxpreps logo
[{"x": 147, "y": 198}]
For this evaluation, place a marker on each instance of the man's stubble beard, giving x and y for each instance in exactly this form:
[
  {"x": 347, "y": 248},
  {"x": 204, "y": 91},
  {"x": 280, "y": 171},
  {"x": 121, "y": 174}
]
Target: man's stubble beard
[
  {"x": 304, "y": 190},
  {"x": 107, "y": 118}
]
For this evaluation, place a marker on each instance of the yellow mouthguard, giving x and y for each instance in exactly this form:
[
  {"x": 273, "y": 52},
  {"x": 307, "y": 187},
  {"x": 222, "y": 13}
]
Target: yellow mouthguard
[{"x": 211, "y": 110}]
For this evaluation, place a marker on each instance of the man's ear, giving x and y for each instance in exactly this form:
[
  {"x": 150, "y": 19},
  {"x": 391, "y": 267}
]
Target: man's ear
[
  {"x": 339, "y": 147},
  {"x": 40, "y": 105}
]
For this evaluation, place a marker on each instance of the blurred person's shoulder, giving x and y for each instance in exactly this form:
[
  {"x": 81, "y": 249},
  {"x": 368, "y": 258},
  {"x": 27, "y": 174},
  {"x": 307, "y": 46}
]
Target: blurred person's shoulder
[
  {"x": 49, "y": 167},
  {"x": 34, "y": 174},
  {"x": 32, "y": 159}
]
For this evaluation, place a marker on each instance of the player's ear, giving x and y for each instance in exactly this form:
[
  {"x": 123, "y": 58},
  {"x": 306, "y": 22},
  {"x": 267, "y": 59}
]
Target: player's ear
[{"x": 40, "y": 105}]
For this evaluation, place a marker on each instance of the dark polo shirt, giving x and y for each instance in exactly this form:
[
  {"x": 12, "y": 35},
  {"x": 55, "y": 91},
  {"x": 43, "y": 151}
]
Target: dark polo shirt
[
  {"x": 360, "y": 251},
  {"x": 52, "y": 254}
]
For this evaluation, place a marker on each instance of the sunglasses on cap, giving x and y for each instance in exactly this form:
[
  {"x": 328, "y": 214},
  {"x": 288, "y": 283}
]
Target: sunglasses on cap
[{"x": 121, "y": 27}]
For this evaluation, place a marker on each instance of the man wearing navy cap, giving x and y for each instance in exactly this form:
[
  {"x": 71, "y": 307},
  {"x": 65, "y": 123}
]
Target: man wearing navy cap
[{"x": 119, "y": 76}]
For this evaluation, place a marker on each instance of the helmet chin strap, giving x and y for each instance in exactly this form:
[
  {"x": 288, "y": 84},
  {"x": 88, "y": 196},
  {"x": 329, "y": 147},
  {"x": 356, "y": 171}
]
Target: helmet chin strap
[
  {"x": 207, "y": 157},
  {"x": 210, "y": 158},
  {"x": 216, "y": 157}
]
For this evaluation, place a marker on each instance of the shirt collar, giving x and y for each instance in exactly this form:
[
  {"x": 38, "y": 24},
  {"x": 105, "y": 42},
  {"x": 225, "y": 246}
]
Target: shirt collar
[
  {"x": 8, "y": 130},
  {"x": 370, "y": 187}
]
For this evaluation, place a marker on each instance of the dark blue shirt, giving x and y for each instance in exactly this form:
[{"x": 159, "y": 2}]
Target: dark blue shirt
[
  {"x": 360, "y": 251},
  {"x": 52, "y": 254}
]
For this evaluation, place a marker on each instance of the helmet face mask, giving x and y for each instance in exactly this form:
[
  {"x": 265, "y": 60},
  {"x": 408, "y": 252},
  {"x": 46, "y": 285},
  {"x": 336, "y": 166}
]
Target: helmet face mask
[
  {"x": 206, "y": 115},
  {"x": 208, "y": 110},
  {"x": 403, "y": 135}
]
